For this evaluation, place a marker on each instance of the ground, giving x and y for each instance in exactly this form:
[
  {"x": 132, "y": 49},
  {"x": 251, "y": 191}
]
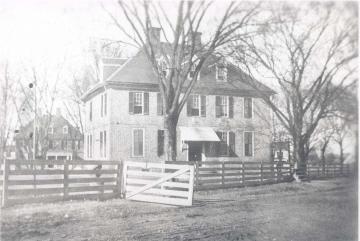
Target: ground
[{"x": 315, "y": 211}]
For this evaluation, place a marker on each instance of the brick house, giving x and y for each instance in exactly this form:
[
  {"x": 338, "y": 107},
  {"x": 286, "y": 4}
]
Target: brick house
[
  {"x": 57, "y": 139},
  {"x": 223, "y": 119}
]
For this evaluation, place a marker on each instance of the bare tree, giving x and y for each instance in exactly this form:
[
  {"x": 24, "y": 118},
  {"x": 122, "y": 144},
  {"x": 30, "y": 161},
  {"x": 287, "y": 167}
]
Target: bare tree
[
  {"x": 181, "y": 53},
  {"x": 309, "y": 53}
]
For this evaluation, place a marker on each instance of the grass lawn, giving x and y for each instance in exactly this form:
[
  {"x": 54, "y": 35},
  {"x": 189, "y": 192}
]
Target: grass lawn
[{"x": 317, "y": 211}]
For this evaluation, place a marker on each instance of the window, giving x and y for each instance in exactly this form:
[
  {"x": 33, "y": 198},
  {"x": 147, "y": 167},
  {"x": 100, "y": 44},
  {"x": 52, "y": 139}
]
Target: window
[
  {"x": 89, "y": 146},
  {"x": 196, "y": 105},
  {"x": 160, "y": 107},
  {"x": 103, "y": 105},
  {"x": 221, "y": 73},
  {"x": 161, "y": 142},
  {"x": 90, "y": 110},
  {"x": 64, "y": 144},
  {"x": 248, "y": 143},
  {"x": 139, "y": 103},
  {"x": 224, "y": 106},
  {"x": 65, "y": 130},
  {"x": 72, "y": 145},
  {"x": 51, "y": 145},
  {"x": 79, "y": 144},
  {"x": 226, "y": 147},
  {"x": 51, "y": 130},
  {"x": 163, "y": 68},
  {"x": 102, "y": 143},
  {"x": 248, "y": 108},
  {"x": 138, "y": 143},
  {"x": 192, "y": 71}
]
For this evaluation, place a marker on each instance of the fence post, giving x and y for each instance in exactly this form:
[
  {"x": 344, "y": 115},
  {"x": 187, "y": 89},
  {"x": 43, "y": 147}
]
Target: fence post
[
  {"x": 261, "y": 173},
  {"x": 119, "y": 178},
  {"x": 5, "y": 184},
  {"x": 191, "y": 184},
  {"x": 124, "y": 175},
  {"x": 243, "y": 173},
  {"x": 66, "y": 180},
  {"x": 222, "y": 173}
]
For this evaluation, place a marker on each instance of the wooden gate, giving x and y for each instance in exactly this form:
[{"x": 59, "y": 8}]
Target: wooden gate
[{"x": 159, "y": 183}]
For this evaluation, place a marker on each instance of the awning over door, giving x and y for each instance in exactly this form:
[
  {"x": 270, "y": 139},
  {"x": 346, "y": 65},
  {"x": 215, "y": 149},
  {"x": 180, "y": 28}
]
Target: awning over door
[{"x": 198, "y": 134}]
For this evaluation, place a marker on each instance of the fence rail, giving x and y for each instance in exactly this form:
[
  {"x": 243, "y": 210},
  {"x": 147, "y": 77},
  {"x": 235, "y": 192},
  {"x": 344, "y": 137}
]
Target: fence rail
[{"x": 24, "y": 182}]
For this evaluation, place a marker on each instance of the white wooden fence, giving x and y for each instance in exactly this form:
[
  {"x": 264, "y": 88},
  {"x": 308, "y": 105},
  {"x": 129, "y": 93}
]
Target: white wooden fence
[{"x": 160, "y": 183}]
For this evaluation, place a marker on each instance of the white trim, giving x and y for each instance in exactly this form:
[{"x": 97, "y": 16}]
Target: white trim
[
  {"x": 252, "y": 144},
  {"x": 132, "y": 142}
]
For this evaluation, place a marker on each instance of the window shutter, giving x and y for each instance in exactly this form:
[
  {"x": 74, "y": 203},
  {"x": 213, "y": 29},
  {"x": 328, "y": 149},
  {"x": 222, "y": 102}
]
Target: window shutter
[
  {"x": 159, "y": 104},
  {"x": 217, "y": 106},
  {"x": 131, "y": 103},
  {"x": 189, "y": 104},
  {"x": 217, "y": 144},
  {"x": 105, "y": 104},
  {"x": 146, "y": 103},
  {"x": 232, "y": 143},
  {"x": 160, "y": 142},
  {"x": 231, "y": 107},
  {"x": 203, "y": 106}
]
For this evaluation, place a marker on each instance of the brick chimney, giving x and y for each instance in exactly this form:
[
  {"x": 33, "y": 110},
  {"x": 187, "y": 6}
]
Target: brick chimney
[{"x": 154, "y": 35}]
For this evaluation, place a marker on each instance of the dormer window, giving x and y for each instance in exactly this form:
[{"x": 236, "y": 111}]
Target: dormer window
[
  {"x": 51, "y": 130},
  {"x": 221, "y": 72},
  {"x": 163, "y": 68},
  {"x": 65, "y": 130}
]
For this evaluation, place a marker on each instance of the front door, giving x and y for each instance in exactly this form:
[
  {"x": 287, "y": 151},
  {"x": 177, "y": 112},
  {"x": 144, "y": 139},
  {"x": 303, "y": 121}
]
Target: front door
[{"x": 195, "y": 151}]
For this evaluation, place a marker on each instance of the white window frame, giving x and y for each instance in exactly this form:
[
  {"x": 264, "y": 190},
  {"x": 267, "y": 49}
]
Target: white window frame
[
  {"x": 252, "y": 140},
  {"x": 252, "y": 108},
  {"x": 65, "y": 128},
  {"x": 227, "y": 105},
  {"x": 199, "y": 102},
  {"x": 132, "y": 142},
  {"x": 142, "y": 104},
  {"x": 225, "y": 73}
]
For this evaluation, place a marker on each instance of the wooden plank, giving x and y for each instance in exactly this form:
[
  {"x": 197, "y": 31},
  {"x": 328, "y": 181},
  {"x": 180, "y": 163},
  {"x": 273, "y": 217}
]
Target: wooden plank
[
  {"x": 91, "y": 188},
  {"x": 46, "y": 199},
  {"x": 36, "y": 172},
  {"x": 36, "y": 182},
  {"x": 146, "y": 174},
  {"x": 5, "y": 179},
  {"x": 168, "y": 184},
  {"x": 89, "y": 172},
  {"x": 163, "y": 200},
  {"x": 205, "y": 169},
  {"x": 92, "y": 163},
  {"x": 201, "y": 181},
  {"x": 157, "y": 191},
  {"x": 190, "y": 193},
  {"x": 154, "y": 165},
  {"x": 92, "y": 180},
  {"x": 31, "y": 191}
]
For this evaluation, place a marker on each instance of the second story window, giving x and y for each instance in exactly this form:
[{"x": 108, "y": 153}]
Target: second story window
[
  {"x": 248, "y": 108},
  {"x": 224, "y": 106},
  {"x": 160, "y": 107},
  {"x": 90, "y": 110},
  {"x": 65, "y": 130},
  {"x": 221, "y": 73},
  {"x": 51, "y": 130},
  {"x": 139, "y": 103},
  {"x": 196, "y": 105},
  {"x": 103, "y": 105}
]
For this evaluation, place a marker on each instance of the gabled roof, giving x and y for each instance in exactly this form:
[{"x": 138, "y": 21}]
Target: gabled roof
[{"x": 137, "y": 73}]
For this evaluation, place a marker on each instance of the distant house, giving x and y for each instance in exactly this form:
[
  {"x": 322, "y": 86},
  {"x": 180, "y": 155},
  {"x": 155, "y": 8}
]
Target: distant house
[
  {"x": 10, "y": 152},
  {"x": 56, "y": 139},
  {"x": 223, "y": 119}
]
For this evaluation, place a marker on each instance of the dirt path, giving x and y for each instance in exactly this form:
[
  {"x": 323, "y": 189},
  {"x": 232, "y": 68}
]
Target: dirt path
[{"x": 320, "y": 210}]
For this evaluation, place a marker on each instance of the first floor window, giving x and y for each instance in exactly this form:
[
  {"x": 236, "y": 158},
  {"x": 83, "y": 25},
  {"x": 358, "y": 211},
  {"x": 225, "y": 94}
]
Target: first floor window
[
  {"x": 103, "y": 144},
  {"x": 138, "y": 142},
  {"x": 51, "y": 144},
  {"x": 248, "y": 143},
  {"x": 226, "y": 146},
  {"x": 89, "y": 146}
]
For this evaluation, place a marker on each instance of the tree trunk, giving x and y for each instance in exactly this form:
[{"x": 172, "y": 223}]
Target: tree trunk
[
  {"x": 341, "y": 156},
  {"x": 300, "y": 158},
  {"x": 170, "y": 123},
  {"x": 323, "y": 160}
]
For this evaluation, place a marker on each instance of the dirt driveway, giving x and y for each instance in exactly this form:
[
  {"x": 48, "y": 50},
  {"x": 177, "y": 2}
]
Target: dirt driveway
[{"x": 320, "y": 210}]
